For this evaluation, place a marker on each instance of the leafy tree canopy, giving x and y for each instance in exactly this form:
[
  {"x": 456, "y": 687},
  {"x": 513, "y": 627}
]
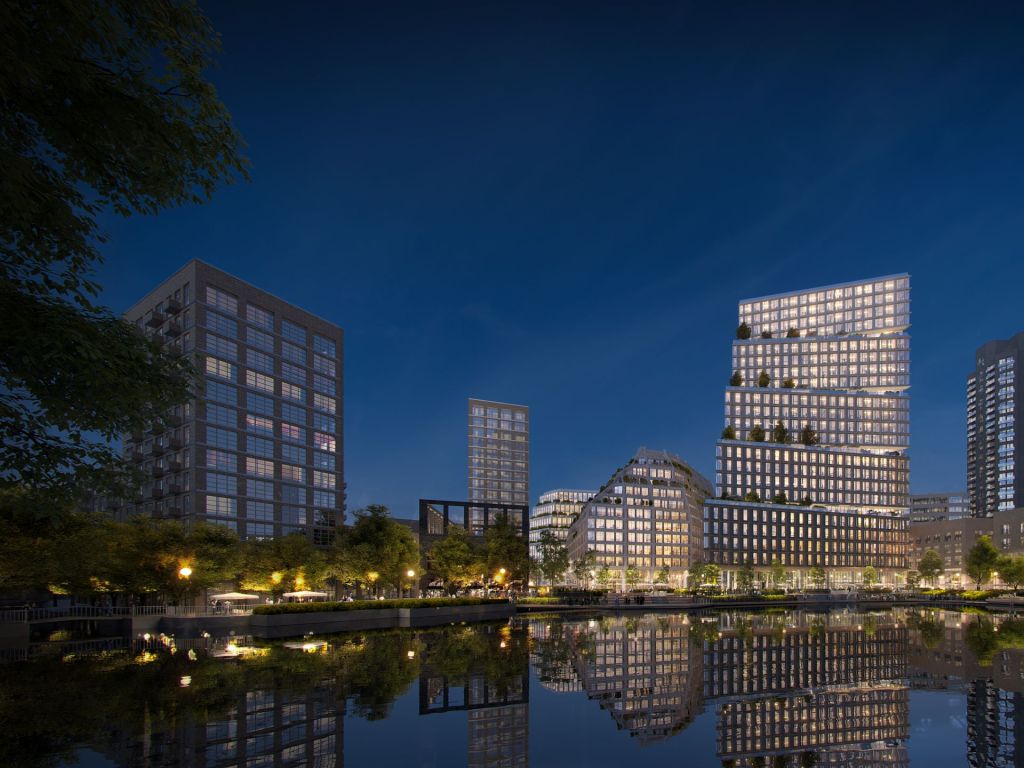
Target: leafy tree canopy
[{"x": 104, "y": 105}]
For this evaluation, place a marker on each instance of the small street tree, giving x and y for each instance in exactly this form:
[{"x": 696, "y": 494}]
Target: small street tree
[
  {"x": 778, "y": 572},
  {"x": 930, "y": 566},
  {"x": 661, "y": 577},
  {"x": 982, "y": 560},
  {"x": 1011, "y": 570},
  {"x": 745, "y": 577},
  {"x": 454, "y": 561},
  {"x": 604, "y": 576},
  {"x": 584, "y": 566},
  {"x": 505, "y": 548},
  {"x": 869, "y": 575},
  {"x": 632, "y": 576},
  {"x": 818, "y": 576},
  {"x": 913, "y": 579},
  {"x": 696, "y": 574},
  {"x": 554, "y": 557},
  {"x": 712, "y": 574}
]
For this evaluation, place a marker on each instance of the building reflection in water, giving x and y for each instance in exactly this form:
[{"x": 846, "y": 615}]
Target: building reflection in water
[
  {"x": 459, "y": 673},
  {"x": 787, "y": 689}
]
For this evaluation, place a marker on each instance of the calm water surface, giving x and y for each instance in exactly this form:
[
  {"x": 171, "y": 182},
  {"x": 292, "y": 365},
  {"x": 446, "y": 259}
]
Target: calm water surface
[{"x": 786, "y": 688}]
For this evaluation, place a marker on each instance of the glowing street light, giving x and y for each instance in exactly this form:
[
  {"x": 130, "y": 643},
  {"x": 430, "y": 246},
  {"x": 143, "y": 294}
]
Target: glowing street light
[
  {"x": 184, "y": 572},
  {"x": 411, "y": 573}
]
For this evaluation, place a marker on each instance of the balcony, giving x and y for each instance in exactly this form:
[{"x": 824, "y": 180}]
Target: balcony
[
  {"x": 157, "y": 493},
  {"x": 158, "y": 449},
  {"x": 138, "y": 456},
  {"x": 173, "y": 330},
  {"x": 174, "y": 488},
  {"x": 174, "y": 444},
  {"x": 156, "y": 428},
  {"x": 172, "y": 420},
  {"x": 174, "y": 465},
  {"x": 159, "y": 470},
  {"x": 138, "y": 436},
  {"x": 156, "y": 320},
  {"x": 173, "y": 306}
]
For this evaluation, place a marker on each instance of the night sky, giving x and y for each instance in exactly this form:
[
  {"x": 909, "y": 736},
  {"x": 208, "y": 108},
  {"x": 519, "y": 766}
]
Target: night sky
[{"x": 560, "y": 204}]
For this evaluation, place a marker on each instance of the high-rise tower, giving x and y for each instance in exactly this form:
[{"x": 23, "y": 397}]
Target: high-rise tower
[
  {"x": 259, "y": 448},
  {"x": 812, "y": 468},
  {"x": 994, "y": 404},
  {"x": 499, "y": 453}
]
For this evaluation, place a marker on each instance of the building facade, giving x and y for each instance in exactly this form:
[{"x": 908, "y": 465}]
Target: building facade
[
  {"x": 259, "y": 449},
  {"x": 555, "y": 512},
  {"x": 644, "y": 522},
  {"x": 812, "y": 468},
  {"x": 499, "y": 452},
  {"x": 953, "y": 539},
  {"x": 994, "y": 405},
  {"x": 938, "y": 506}
]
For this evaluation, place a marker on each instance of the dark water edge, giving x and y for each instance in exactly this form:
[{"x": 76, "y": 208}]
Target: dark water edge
[{"x": 732, "y": 688}]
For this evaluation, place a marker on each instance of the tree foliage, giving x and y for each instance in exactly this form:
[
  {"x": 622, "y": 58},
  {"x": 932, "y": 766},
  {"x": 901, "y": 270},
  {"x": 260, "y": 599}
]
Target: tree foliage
[
  {"x": 808, "y": 436},
  {"x": 103, "y": 106},
  {"x": 869, "y": 575},
  {"x": 930, "y": 565},
  {"x": 982, "y": 560},
  {"x": 505, "y": 548},
  {"x": 376, "y": 550},
  {"x": 554, "y": 557},
  {"x": 454, "y": 561},
  {"x": 746, "y": 576},
  {"x": 582, "y": 568},
  {"x": 736, "y": 380},
  {"x": 779, "y": 433},
  {"x": 729, "y": 433},
  {"x": 1011, "y": 570},
  {"x": 743, "y": 331},
  {"x": 763, "y": 379},
  {"x": 285, "y": 564},
  {"x": 756, "y": 434}
]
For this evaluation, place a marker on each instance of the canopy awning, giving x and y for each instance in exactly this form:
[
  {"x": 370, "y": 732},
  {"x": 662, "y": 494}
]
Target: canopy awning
[
  {"x": 234, "y": 596},
  {"x": 305, "y": 593}
]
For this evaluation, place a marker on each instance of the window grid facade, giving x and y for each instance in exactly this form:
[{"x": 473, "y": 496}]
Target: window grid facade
[
  {"x": 499, "y": 452},
  {"x": 837, "y": 361},
  {"x": 993, "y": 406},
  {"x": 647, "y": 517},
  {"x": 555, "y": 512},
  {"x": 236, "y": 428}
]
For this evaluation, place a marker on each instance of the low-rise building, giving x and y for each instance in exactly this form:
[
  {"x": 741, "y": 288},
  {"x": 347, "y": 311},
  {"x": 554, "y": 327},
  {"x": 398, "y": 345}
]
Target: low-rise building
[
  {"x": 644, "y": 524},
  {"x": 555, "y": 512},
  {"x": 953, "y": 539}
]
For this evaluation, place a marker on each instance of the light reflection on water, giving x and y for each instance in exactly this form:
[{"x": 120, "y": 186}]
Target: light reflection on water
[{"x": 781, "y": 688}]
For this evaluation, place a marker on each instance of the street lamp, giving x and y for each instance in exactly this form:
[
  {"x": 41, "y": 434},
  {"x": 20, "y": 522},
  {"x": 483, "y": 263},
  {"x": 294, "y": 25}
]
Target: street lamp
[
  {"x": 184, "y": 572},
  {"x": 411, "y": 574}
]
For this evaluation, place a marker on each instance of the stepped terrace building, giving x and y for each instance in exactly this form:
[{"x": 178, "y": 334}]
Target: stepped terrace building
[
  {"x": 644, "y": 522},
  {"x": 555, "y": 512},
  {"x": 812, "y": 468},
  {"x": 259, "y": 448}
]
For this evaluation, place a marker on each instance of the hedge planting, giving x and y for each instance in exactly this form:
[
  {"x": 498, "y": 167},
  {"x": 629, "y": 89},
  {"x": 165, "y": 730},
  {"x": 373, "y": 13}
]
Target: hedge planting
[{"x": 370, "y": 605}]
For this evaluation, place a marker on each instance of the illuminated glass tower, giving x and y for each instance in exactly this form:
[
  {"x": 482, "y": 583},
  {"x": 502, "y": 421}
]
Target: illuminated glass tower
[
  {"x": 554, "y": 513},
  {"x": 812, "y": 468}
]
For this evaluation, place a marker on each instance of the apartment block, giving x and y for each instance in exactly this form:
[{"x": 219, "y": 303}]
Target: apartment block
[
  {"x": 645, "y": 520},
  {"x": 812, "y": 467},
  {"x": 554, "y": 513},
  {"x": 994, "y": 403},
  {"x": 259, "y": 449},
  {"x": 499, "y": 452}
]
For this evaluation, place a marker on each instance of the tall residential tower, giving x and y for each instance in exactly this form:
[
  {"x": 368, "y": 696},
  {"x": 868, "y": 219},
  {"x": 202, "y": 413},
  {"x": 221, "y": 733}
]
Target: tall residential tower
[
  {"x": 499, "y": 453},
  {"x": 812, "y": 467},
  {"x": 994, "y": 403},
  {"x": 259, "y": 449}
]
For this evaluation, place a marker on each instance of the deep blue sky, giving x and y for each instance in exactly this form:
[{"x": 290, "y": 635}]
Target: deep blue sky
[{"x": 560, "y": 204}]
